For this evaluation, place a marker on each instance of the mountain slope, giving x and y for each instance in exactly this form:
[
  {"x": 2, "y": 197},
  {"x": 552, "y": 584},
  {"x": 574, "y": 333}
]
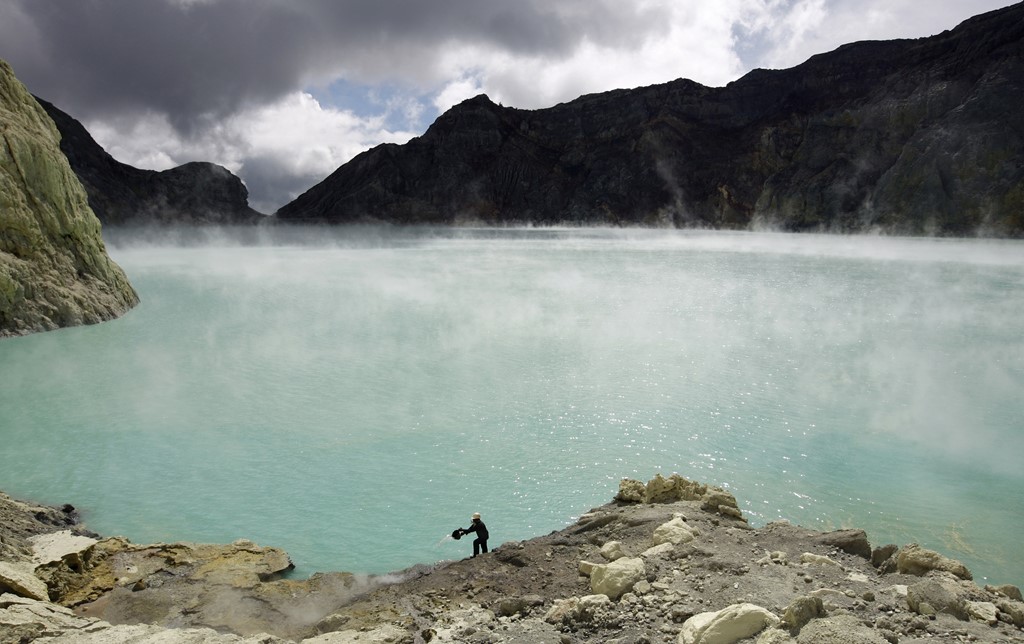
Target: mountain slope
[
  {"x": 913, "y": 136},
  {"x": 119, "y": 194}
]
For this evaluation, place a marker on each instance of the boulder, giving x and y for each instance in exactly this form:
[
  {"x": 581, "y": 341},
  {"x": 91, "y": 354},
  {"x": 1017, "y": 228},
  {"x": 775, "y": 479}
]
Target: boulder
[
  {"x": 938, "y": 595},
  {"x": 1013, "y": 610},
  {"x": 854, "y": 542},
  {"x": 720, "y": 501},
  {"x": 801, "y": 611},
  {"x": 726, "y": 626},
  {"x": 675, "y": 532},
  {"x": 19, "y": 579},
  {"x": 617, "y": 578},
  {"x": 612, "y": 550},
  {"x": 982, "y": 612},
  {"x": 1006, "y": 590},
  {"x": 915, "y": 560}
]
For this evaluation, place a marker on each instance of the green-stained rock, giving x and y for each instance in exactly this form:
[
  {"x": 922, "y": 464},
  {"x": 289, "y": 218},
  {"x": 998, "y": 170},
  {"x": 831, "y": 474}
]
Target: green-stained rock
[{"x": 54, "y": 268}]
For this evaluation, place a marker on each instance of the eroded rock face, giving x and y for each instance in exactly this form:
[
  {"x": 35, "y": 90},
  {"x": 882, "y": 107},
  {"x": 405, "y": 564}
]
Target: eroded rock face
[
  {"x": 121, "y": 195},
  {"x": 910, "y": 136},
  {"x": 54, "y": 268}
]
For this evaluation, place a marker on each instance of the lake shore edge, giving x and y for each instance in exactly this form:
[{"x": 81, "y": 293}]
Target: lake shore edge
[{"x": 670, "y": 560}]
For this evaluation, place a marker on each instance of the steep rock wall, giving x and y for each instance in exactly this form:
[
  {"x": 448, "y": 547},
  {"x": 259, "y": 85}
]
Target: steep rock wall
[
  {"x": 910, "y": 136},
  {"x": 54, "y": 268},
  {"x": 122, "y": 195}
]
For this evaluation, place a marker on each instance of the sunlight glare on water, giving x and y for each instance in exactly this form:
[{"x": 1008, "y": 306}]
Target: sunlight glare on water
[{"x": 353, "y": 395}]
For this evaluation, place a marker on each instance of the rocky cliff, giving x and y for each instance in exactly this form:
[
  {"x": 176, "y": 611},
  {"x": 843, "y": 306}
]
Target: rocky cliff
[
  {"x": 909, "y": 136},
  {"x": 119, "y": 194},
  {"x": 54, "y": 268}
]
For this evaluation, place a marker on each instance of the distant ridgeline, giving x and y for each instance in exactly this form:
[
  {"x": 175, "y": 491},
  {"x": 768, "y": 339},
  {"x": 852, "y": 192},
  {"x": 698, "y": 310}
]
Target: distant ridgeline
[
  {"x": 920, "y": 136},
  {"x": 119, "y": 194}
]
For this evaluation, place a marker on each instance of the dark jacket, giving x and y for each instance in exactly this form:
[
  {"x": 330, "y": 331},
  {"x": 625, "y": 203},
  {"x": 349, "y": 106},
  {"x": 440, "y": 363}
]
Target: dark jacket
[{"x": 479, "y": 528}]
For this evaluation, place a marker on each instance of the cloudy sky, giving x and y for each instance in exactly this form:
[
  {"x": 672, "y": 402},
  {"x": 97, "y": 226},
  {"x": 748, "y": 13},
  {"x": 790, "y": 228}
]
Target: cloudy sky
[{"x": 282, "y": 92}]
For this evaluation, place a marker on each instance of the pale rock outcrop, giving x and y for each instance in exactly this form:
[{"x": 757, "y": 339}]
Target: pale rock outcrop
[
  {"x": 677, "y": 488},
  {"x": 631, "y": 491},
  {"x": 384, "y": 634},
  {"x": 617, "y": 578},
  {"x": 982, "y": 611},
  {"x": 675, "y": 532},
  {"x": 915, "y": 560},
  {"x": 801, "y": 611},
  {"x": 660, "y": 550},
  {"x": 612, "y": 551},
  {"x": 58, "y": 546},
  {"x": 811, "y": 559},
  {"x": 728, "y": 625},
  {"x": 54, "y": 268},
  {"x": 18, "y": 578}
]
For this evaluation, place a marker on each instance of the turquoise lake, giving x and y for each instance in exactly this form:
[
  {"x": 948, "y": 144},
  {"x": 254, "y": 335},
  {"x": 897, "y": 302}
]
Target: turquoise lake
[{"x": 354, "y": 395}]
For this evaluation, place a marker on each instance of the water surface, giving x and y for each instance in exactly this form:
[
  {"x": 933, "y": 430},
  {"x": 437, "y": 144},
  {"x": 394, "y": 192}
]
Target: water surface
[{"x": 353, "y": 395}]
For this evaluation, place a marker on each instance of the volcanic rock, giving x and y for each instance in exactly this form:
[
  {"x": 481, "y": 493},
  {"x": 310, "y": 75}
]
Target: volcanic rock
[
  {"x": 909, "y": 136},
  {"x": 121, "y": 195},
  {"x": 54, "y": 267}
]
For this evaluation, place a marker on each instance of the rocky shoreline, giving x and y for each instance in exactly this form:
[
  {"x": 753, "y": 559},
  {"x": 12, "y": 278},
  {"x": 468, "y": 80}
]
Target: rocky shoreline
[{"x": 671, "y": 560}]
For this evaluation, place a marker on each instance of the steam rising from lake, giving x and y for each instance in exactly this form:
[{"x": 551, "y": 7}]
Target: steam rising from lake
[{"x": 352, "y": 395}]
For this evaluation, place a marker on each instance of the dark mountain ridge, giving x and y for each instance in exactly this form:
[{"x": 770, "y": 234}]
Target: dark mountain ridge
[
  {"x": 122, "y": 195},
  {"x": 908, "y": 136}
]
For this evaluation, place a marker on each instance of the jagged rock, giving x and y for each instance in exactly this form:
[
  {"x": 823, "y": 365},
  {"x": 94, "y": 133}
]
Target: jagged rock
[
  {"x": 854, "y": 542},
  {"x": 728, "y": 625},
  {"x": 801, "y": 611},
  {"x": 915, "y": 560},
  {"x": 840, "y": 629},
  {"x": 631, "y": 491},
  {"x": 616, "y": 578},
  {"x": 882, "y": 554},
  {"x": 722, "y": 502},
  {"x": 54, "y": 268},
  {"x": 982, "y": 611},
  {"x": 1014, "y": 610},
  {"x": 19, "y": 579},
  {"x": 1007, "y": 590},
  {"x": 193, "y": 193},
  {"x": 913, "y": 136},
  {"x": 938, "y": 595}
]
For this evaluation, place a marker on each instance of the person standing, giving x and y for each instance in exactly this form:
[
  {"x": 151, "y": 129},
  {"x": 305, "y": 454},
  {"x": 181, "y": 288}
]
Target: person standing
[{"x": 477, "y": 526}]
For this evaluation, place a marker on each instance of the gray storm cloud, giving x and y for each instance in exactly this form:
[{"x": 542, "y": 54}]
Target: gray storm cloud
[{"x": 204, "y": 59}]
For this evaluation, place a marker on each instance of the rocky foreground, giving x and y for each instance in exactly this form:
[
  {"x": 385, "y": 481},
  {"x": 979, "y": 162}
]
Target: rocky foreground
[{"x": 667, "y": 561}]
